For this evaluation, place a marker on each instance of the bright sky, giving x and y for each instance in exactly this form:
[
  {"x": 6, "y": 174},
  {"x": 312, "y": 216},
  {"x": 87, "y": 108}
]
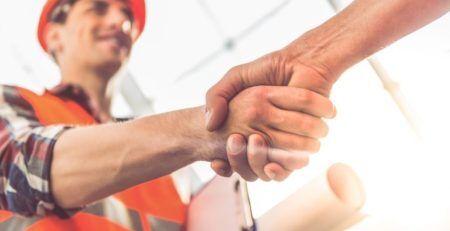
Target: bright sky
[{"x": 404, "y": 178}]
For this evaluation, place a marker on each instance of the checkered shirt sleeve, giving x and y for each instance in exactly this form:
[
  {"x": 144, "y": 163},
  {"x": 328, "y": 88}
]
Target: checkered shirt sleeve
[{"x": 26, "y": 149}]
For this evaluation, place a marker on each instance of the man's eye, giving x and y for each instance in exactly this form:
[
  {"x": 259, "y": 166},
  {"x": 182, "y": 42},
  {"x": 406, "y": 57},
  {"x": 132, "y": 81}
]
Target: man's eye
[{"x": 100, "y": 7}]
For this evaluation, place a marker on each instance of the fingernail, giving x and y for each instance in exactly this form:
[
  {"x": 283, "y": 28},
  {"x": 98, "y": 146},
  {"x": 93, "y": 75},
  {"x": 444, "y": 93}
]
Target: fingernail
[
  {"x": 271, "y": 175},
  {"x": 234, "y": 146}
]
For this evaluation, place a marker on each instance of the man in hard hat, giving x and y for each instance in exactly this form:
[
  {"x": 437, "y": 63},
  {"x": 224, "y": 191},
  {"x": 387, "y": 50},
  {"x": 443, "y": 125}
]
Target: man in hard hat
[
  {"x": 62, "y": 156},
  {"x": 315, "y": 61}
]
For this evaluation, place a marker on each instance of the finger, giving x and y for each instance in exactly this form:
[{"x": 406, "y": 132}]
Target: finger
[
  {"x": 257, "y": 151},
  {"x": 221, "y": 167},
  {"x": 289, "y": 160},
  {"x": 288, "y": 141},
  {"x": 237, "y": 157},
  {"x": 276, "y": 172},
  {"x": 297, "y": 123},
  {"x": 218, "y": 97},
  {"x": 302, "y": 100}
]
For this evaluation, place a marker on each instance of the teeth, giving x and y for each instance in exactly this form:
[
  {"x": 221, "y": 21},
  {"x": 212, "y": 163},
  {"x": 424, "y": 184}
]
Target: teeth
[{"x": 115, "y": 40}]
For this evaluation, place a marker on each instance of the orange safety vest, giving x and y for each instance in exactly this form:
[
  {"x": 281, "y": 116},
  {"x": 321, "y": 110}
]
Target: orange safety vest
[{"x": 151, "y": 206}]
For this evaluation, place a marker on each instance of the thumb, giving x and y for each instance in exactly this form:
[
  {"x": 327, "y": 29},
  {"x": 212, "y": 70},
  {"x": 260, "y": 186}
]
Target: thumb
[
  {"x": 234, "y": 81},
  {"x": 308, "y": 78},
  {"x": 215, "y": 112},
  {"x": 219, "y": 95}
]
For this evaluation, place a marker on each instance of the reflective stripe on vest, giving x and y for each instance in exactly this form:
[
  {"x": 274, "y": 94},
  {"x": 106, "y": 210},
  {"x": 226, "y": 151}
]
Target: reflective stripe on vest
[{"x": 151, "y": 206}]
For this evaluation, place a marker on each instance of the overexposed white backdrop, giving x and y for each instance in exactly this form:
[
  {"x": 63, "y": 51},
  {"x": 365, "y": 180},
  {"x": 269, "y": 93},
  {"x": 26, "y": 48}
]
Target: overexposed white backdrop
[{"x": 181, "y": 54}]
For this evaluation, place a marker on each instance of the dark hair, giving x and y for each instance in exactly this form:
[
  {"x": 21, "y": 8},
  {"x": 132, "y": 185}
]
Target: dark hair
[{"x": 60, "y": 11}]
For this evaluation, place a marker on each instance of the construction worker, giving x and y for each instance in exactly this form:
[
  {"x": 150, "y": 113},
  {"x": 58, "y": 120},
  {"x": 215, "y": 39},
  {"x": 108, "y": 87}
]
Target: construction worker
[
  {"x": 315, "y": 61},
  {"x": 65, "y": 163}
]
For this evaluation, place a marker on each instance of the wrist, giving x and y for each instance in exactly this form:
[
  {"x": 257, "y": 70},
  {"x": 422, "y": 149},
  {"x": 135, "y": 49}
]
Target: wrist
[
  {"x": 174, "y": 135},
  {"x": 201, "y": 144},
  {"x": 305, "y": 52},
  {"x": 322, "y": 50}
]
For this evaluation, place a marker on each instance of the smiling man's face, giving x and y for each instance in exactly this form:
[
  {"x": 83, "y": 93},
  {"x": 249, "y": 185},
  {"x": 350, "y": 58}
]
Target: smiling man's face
[{"x": 96, "y": 33}]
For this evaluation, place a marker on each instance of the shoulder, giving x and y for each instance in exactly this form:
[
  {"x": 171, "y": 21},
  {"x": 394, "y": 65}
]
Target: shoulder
[
  {"x": 12, "y": 99},
  {"x": 10, "y": 93}
]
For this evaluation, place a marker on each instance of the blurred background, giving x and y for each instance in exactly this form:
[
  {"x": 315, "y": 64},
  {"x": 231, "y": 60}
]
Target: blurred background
[{"x": 189, "y": 45}]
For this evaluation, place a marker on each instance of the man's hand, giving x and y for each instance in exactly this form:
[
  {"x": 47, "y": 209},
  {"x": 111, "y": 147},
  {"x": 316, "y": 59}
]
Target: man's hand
[
  {"x": 264, "y": 163},
  {"x": 278, "y": 68},
  {"x": 317, "y": 58},
  {"x": 257, "y": 160},
  {"x": 278, "y": 121},
  {"x": 275, "y": 69}
]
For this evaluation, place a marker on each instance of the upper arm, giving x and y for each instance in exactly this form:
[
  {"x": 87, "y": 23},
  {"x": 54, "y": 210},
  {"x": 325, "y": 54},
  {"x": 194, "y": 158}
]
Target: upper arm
[{"x": 26, "y": 149}]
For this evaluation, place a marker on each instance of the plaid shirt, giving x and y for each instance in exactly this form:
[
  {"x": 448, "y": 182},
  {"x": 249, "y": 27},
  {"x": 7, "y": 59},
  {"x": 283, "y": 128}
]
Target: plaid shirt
[{"x": 26, "y": 149}]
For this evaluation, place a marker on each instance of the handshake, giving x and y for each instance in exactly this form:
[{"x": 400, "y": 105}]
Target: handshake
[{"x": 271, "y": 113}]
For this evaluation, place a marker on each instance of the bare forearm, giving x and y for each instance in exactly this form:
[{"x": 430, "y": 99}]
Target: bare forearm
[
  {"x": 360, "y": 30},
  {"x": 93, "y": 162}
]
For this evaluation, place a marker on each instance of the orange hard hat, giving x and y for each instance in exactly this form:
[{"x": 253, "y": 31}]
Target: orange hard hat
[{"x": 137, "y": 8}]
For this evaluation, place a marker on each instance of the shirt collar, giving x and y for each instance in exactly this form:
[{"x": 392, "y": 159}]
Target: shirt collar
[
  {"x": 78, "y": 94},
  {"x": 75, "y": 93}
]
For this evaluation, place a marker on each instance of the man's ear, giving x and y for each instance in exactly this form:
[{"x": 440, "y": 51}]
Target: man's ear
[{"x": 53, "y": 37}]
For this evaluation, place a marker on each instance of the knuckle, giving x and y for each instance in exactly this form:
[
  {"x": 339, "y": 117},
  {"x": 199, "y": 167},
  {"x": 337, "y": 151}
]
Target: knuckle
[
  {"x": 270, "y": 139},
  {"x": 260, "y": 92},
  {"x": 257, "y": 106},
  {"x": 299, "y": 144},
  {"x": 305, "y": 97},
  {"x": 291, "y": 159},
  {"x": 253, "y": 113},
  {"x": 308, "y": 126},
  {"x": 261, "y": 119}
]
